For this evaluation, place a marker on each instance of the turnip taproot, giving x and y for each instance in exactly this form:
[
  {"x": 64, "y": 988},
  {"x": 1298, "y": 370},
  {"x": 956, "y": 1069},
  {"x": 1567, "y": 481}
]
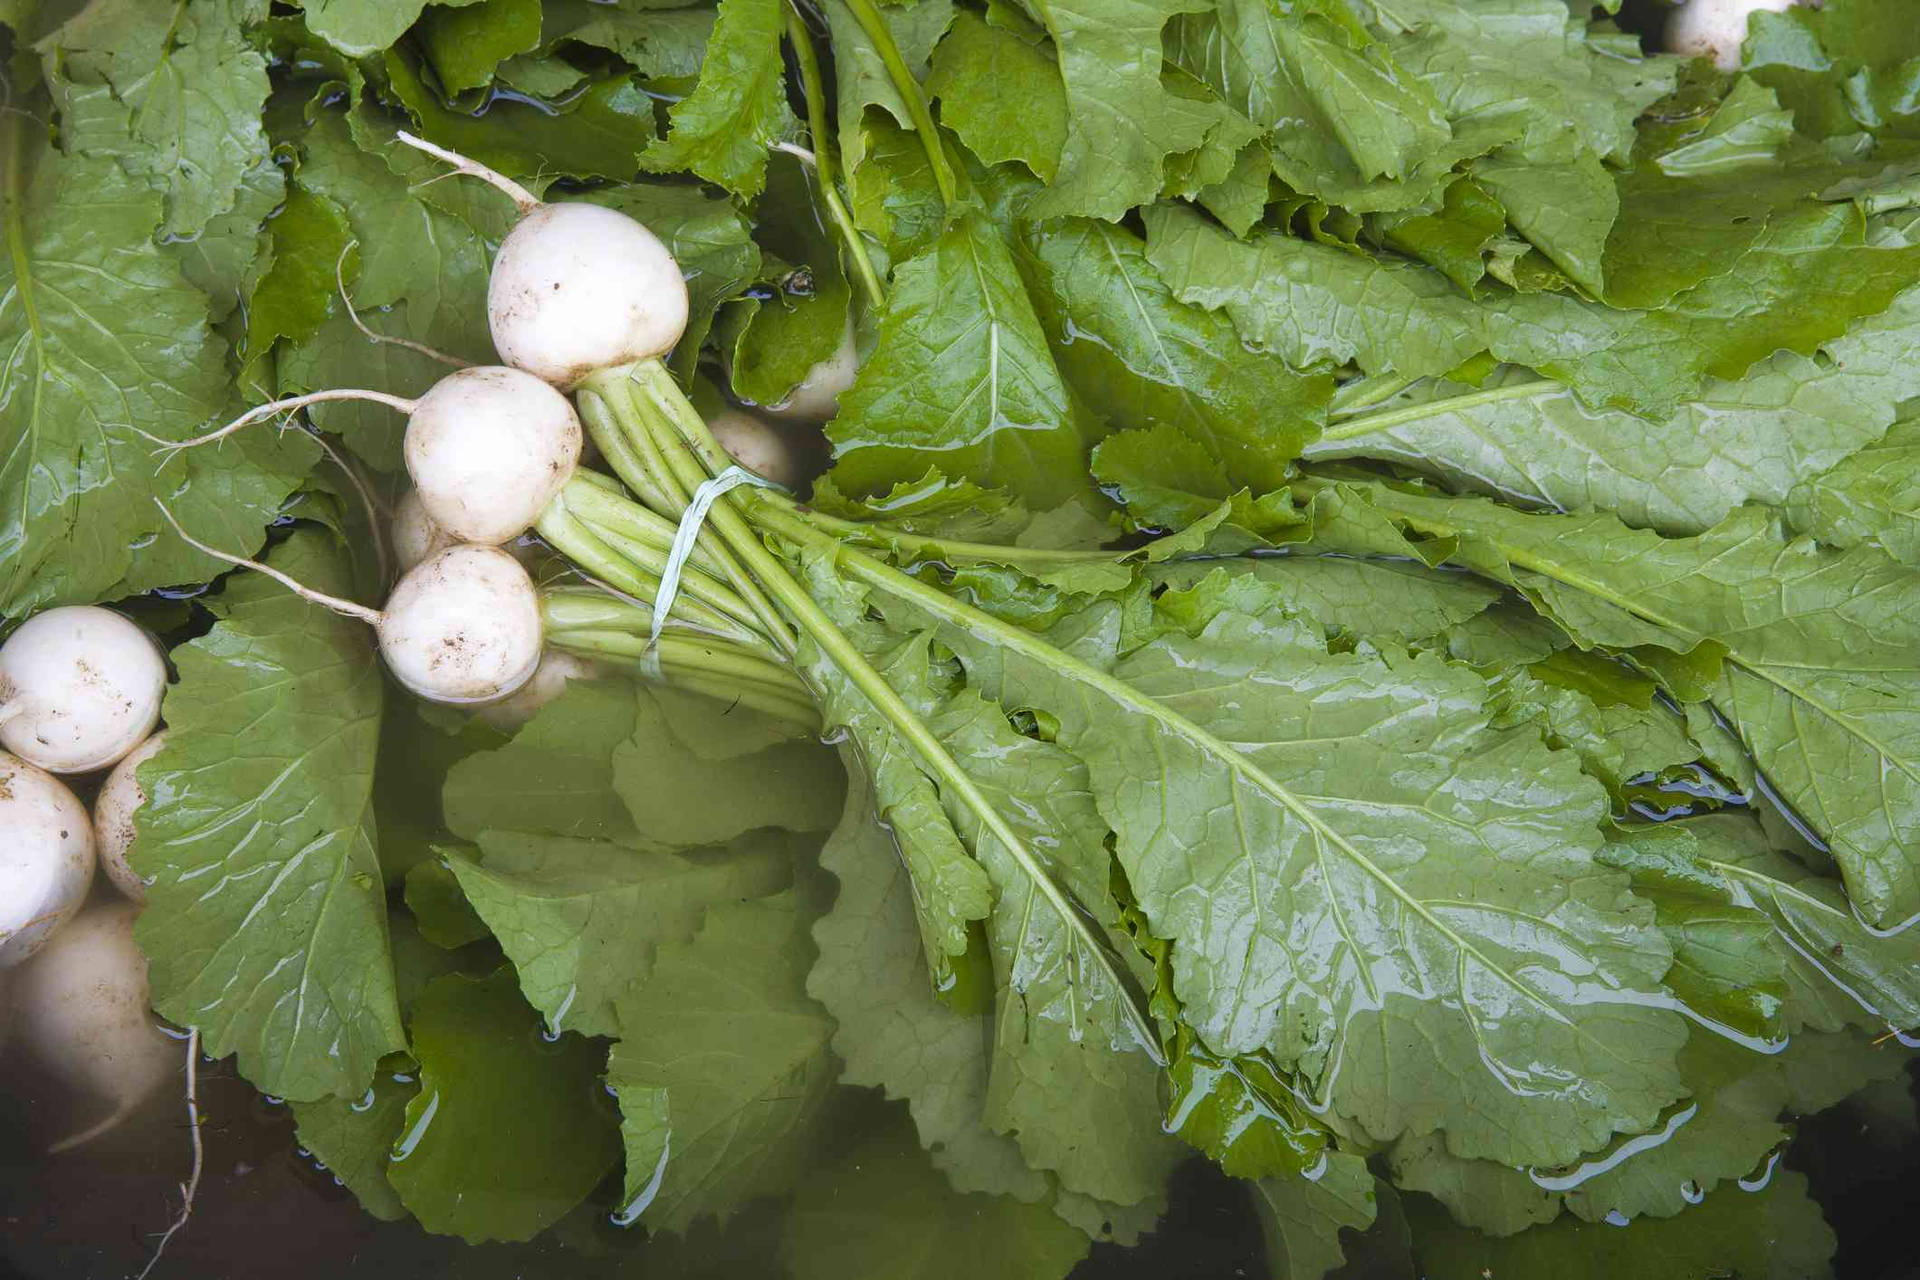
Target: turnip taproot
[
  {"x": 80, "y": 686},
  {"x": 760, "y": 446},
  {"x": 46, "y": 858},
  {"x": 81, "y": 1010},
  {"x": 120, "y": 798}
]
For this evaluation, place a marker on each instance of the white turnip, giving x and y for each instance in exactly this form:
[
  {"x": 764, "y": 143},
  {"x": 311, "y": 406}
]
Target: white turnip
[
  {"x": 80, "y": 686},
  {"x": 46, "y": 858},
  {"x": 461, "y": 627},
  {"x": 415, "y": 535},
  {"x": 1716, "y": 28},
  {"x": 576, "y": 287},
  {"x": 548, "y": 683},
  {"x": 760, "y": 446},
  {"x": 817, "y": 398},
  {"x": 120, "y": 798},
  {"x": 487, "y": 447},
  {"x": 81, "y": 1011}
]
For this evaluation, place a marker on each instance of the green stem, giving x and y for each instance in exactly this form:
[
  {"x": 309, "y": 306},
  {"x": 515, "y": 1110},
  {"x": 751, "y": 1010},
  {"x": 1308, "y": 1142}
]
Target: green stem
[
  {"x": 824, "y": 164},
  {"x": 579, "y": 543},
  {"x": 1368, "y": 423},
  {"x": 783, "y": 699},
  {"x": 635, "y": 457},
  {"x": 1363, "y": 393},
  {"x": 923, "y": 546},
  {"x": 574, "y": 608},
  {"x": 834, "y": 645},
  {"x": 598, "y": 415},
  {"x": 611, "y": 509},
  {"x": 871, "y": 22}
]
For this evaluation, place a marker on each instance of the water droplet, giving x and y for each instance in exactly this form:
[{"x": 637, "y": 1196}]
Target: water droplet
[
  {"x": 1758, "y": 1181},
  {"x": 364, "y": 1104},
  {"x": 1615, "y": 1218},
  {"x": 1691, "y": 1192}
]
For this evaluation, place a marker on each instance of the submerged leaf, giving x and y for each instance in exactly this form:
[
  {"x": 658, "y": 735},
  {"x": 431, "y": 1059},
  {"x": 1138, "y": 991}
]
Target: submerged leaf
[{"x": 266, "y": 923}]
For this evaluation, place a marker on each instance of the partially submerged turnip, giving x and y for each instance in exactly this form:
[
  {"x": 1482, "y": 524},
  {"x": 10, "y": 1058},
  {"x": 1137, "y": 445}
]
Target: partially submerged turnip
[
  {"x": 80, "y": 686},
  {"x": 120, "y": 798},
  {"x": 1716, "y": 28},
  {"x": 46, "y": 858},
  {"x": 760, "y": 446},
  {"x": 549, "y": 681},
  {"x": 817, "y": 398},
  {"x": 81, "y": 1010},
  {"x": 415, "y": 535}
]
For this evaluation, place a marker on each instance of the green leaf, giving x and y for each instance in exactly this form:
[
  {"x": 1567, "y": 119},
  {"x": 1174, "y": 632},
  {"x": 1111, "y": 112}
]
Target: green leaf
[
  {"x": 466, "y": 44},
  {"x": 1839, "y": 69},
  {"x": 1122, "y": 122},
  {"x": 417, "y": 752},
  {"x": 583, "y": 919},
  {"x": 187, "y": 92},
  {"x": 266, "y": 923},
  {"x": 361, "y": 27},
  {"x": 722, "y": 130},
  {"x": 893, "y": 195},
  {"x": 599, "y": 132},
  {"x": 1725, "y": 966},
  {"x": 961, "y": 377},
  {"x": 860, "y": 75},
  {"x": 1748, "y": 441},
  {"x": 1001, "y": 95},
  {"x": 891, "y": 1030},
  {"x": 1252, "y": 847},
  {"x": 723, "y": 1095},
  {"x": 219, "y": 261},
  {"x": 107, "y": 336},
  {"x": 1814, "y": 680},
  {"x": 294, "y": 294},
  {"x": 1139, "y": 356},
  {"x": 1774, "y": 1234},
  {"x": 1070, "y": 1080},
  {"x": 1872, "y": 495},
  {"x": 1303, "y": 1218},
  {"x": 439, "y": 908},
  {"x": 509, "y": 1130},
  {"x": 1397, "y": 601},
  {"x": 556, "y": 776},
  {"x": 882, "y": 1209},
  {"x": 355, "y": 1138},
  {"x": 1565, "y": 210},
  {"x": 660, "y": 44}
]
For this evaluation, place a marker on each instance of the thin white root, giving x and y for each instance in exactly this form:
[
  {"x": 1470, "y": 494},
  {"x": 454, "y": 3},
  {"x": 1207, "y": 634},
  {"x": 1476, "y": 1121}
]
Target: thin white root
[
  {"x": 376, "y": 514},
  {"x": 346, "y": 608},
  {"x": 805, "y": 156},
  {"x": 191, "y": 1187},
  {"x": 340, "y": 279},
  {"x": 108, "y": 1122},
  {"x": 520, "y": 196},
  {"x": 267, "y": 410}
]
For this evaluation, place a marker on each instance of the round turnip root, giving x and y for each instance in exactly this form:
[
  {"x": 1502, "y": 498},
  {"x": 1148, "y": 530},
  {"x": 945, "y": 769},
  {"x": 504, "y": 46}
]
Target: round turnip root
[
  {"x": 548, "y": 683},
  {"x": 120, "y": 798},
  {"x": 817, "y": 397},
  {"x": 81, "y": 1010},
  {"x": 760, "y": 447},
  {"x": 46, "y": 858},
  {"x": 488, "y": 448},
  {"x": 1716, "y": 28},
  {"x": 80, "y": 686},
  {"x": 463, "y": 626},
  {"x": 575, "y": 287}
]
